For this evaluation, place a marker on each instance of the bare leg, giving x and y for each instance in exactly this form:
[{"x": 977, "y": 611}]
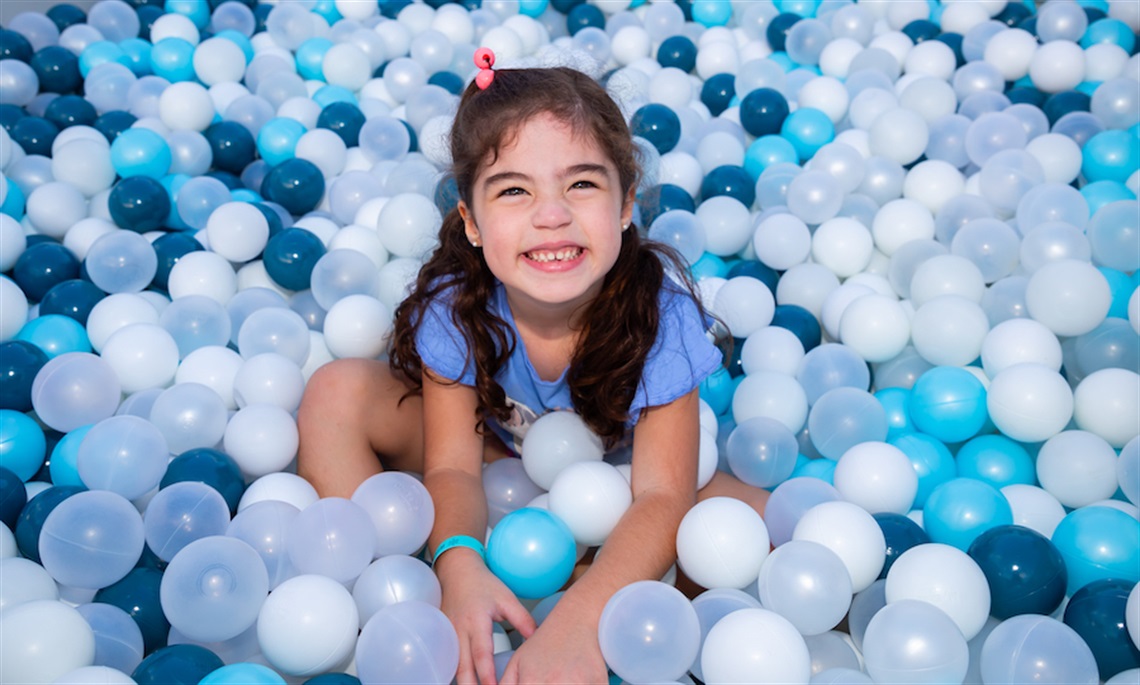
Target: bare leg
[
  {"x": 349, "y": 415},
  {"x": 727, "y": 485}
]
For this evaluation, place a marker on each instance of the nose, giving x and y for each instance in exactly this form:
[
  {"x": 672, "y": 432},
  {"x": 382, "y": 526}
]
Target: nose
[{"x": 551, "y": 213}]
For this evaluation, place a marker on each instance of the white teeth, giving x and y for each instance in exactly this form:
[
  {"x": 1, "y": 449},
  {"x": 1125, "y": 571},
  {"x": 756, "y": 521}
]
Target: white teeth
[{"x": 559, "y": 256}]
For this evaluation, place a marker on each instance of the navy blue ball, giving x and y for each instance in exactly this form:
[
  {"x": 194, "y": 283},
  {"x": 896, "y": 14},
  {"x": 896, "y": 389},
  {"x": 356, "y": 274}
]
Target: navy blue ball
[
  {"x": 182, "y": 664},
  {"x": 735, "y": 362},
  {"x": 1060, "y": 104},
  {"x": 901, "y": 534},
  {"x": 564, "y": 6},
  {"x": 20, "y": 361},
  {"x": 1094, "y": 14},
  {"x": 70, "y": 110},
  {"x": 290, "y": 256},
  {"x": 446, "y": 195},
  {"x": 663, "y": 198},
  {"x": 75, "y": 298},
  {"x": 35, "y": 135},
  {"x": 584, "y": 16},
  {"x": 65, "y": 15},
  {"x": 148, "y": 14},
  {"x": 169, "y": 248},
  {"x": 658, "y": 124},
  {"x": 296, "y": 184},
  {"x": 13, "y": 45},
  {"x": 229, "y": 180},
  {"x": 232, "y": 144},
  {"x": 43, "y": 266},
  {"x": 57, "y": 69},
  {"x": 112, "y": 123},
  {"x": 1024, "y": 569},
  {"x": 1013, "y": 14},
  {"x": 333, "y": 679},
  {"x": 9, "y": 115},
  {"x": 921, "y": 29},
  {"x": 390, "y": 8},
  {"x": 799, "y": 321},
  {"x": 679, "y": 52},
  {"x": 717, "y": 92},
  {"x": 778, "y": 27},
  {"x": 448, "y": 80},
  {"x": 138, "y": 594},
  {"x": 1097, "y": 613},
  {"x": 214, "y": 468},
  {"x": 35, "y": 512},
  {"x": 730, "y": 180},
  {"x": 1029, "y": 24},
  {"x": 139, "y": 204},
  {"x": 13, "y": 497},
  {"x": 271, "y": 216},
  {"x": 763, "y": 111},
  {"x": 1026, "y": 95},
  {"x": 344, "y": 119},
  {"x": 756, "y": 269}
]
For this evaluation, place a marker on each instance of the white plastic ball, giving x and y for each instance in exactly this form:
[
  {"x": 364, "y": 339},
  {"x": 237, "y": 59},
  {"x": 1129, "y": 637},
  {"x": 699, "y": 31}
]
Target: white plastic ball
[
  {"x": 1034, "y": 508},
  {"x": 878, "y": 477},
  {"x": 1029, "y": 402},
  {"x": 143, "y": 356},
  {"x": 590, "y": 497},
  {"x": 219, "y": 60},
  {"x": 44, "y": 639},
  {"x": 1059, "y": 156},
  {"x": 1057, "y": 66},
  {"x": 357, "y": 326},
  {"x": 745, "y": 305},
  {"x": 13, "y": 308},
  {"x": 722, "y": 543},
  {"x": 843, "y": 245},
  {"x": 555, "y": 441},
  {"x": 237, "y": 231},
  {"x": 946, "y": 275},
  {"x": 772, "y": 348},
  {"x": 308, "y": 625},
  {"x": 727, "y": 223},
  {"x": 900, "y": 221},
  {"x": 1015, "y": 341},
  {"x": 851, "y": 532},
  {"x": 323, "y": 148},
  {"x": 782, "y": 241},
  {"x": 203, "y": 273},
  {"x": 732, "y": 654},
  {"x": 946, "y": 577},
  {"x": 54, "y": 207},
  {"x": 899, "y": 134},
  {"x": 949, "y": 330},
  {"x": 261, "y": 438},
  {"x": 876, "y": 326},
  {"x": 1077, "y": 467},
  {"x": 806, "y": 285},
  {"x": 1107, "y": 404}
]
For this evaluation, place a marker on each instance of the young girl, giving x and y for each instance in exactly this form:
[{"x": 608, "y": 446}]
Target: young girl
[{"x": 540, "y": 297}]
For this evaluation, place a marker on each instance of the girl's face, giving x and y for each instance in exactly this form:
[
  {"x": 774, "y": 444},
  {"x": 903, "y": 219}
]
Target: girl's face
[{"x": 548, "y": 215}]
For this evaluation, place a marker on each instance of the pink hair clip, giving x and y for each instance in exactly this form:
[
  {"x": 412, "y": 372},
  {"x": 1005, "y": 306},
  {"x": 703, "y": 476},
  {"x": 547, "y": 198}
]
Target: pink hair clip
[{"x": 484, "y": 59}]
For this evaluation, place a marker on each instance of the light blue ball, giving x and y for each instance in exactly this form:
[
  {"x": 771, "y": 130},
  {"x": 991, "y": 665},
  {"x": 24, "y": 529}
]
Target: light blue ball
[
  {"x": 766, "y": 151},
  {"x": 823, "y": 469},
  {"x": 533, "y": 8},
  {"x": 1097, "y": 543},
  {"x": 1100, "y": 193},
  {"x": 22, "y": 444},
  {"x": 709, "y": 265},
  {"x": 55, "y": 334},
  {"x": 136, "y": 55},
  {"x": 532, "y": 551},
  {"x": 961, "y": 509},
  {"x": 932, "y": 461},
  {"x": 64, "y": 464},
  {"x": 948, "y": 403},
  {"x": 243, "y": 674},
  {"x": 997, "y": 460},
  {"x": 277, "y": 139},
  {"x": 100, "y": 52},
  {"x": 242, "y": 42},
  {"x": 896, "y": 405},
  {"x": 195, "y": 10},
  {"x": 140, "y": 152},
  {"x": 808, "y": 129},
  {"x": 711, "y": 12},
  {"x": 1110, "y": 156},
  {"x": 173, "y": 59},
  {"x": 716, "y": 390}
]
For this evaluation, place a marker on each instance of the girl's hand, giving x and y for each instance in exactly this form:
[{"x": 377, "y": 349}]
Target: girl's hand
[
  {"x": 564, "y": 651},
  {"x": 473, "y": 598}
]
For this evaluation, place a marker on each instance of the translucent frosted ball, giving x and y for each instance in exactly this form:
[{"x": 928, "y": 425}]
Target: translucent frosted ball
[
  {"x": 807, "y": 584},
  {"x": 392, "y": 579},
  {"x": 402, "y": 512},
  {"x": 124, "y": 454},
  {"x": 121, "y": 262},
  {"x": 180, "y": 514},
  {"x": 91, "y": 540},
  {"x": 75, "y": 389},
  {"x": 682, "y": 231},
  {"x": 190, "y": 416},
  {"x": 814, "y": 196},
  {"x": 900, "y": 135},
  {"x": 649, "y": 631},
  {"x": 912, "y": 638},
  {"x": 1033, "y": 647}
]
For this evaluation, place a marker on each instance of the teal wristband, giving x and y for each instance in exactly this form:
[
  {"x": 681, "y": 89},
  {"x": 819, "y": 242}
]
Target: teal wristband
[{"x": 458, "y": 541}]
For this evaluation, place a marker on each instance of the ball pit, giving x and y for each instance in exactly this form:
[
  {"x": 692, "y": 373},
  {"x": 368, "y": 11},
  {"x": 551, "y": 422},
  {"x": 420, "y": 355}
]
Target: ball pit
[{"x": 918, "y": 221}]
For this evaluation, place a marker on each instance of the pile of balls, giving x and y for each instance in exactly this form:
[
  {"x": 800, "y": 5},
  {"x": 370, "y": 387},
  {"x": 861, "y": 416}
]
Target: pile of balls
[{"x": 917, "y": 220}]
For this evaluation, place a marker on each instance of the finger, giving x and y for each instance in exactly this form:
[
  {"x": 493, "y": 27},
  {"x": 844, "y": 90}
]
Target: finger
[
  {"x": 511, "y": 672},
  {"x": 520, "y": 618},
  {"x": 483, "y": 656},
  {"x": 465, "y": 674}
]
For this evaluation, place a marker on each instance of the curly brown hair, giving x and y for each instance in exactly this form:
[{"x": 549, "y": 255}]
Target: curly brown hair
[{"x": 620, "y": 325}]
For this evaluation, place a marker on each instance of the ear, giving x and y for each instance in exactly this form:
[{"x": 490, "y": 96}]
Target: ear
[
  {"x": 469, "y": 227},
  {"x": 627, "y": 207}
]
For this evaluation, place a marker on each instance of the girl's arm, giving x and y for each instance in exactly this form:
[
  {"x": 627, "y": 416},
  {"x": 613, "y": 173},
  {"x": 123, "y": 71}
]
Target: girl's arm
[
  {"x": 453, "y": 473},
  {"x": 642, "y": 546}
]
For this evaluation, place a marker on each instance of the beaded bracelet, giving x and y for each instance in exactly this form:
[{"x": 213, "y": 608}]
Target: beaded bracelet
[{"x": 458, "y": 541}]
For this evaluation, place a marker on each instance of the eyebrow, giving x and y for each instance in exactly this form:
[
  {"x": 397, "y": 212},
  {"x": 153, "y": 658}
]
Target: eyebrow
[{"x": 575, "y": 170}]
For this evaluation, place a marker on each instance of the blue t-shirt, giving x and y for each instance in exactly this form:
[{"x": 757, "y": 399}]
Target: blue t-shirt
[{"x": 679, "y": 360}]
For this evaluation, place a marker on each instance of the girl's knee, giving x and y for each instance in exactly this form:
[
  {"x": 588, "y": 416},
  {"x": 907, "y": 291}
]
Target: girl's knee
[{"x": 337, "y": 385}]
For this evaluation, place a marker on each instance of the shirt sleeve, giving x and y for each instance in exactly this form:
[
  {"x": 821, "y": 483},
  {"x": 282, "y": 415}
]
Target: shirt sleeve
[
  {"x": 441, "y": 345},
  {"x": 682, "y": 356}
]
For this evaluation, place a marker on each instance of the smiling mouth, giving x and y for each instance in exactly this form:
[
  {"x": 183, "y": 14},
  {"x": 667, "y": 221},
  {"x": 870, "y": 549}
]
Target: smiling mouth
[{"x": 547, "y": 256}]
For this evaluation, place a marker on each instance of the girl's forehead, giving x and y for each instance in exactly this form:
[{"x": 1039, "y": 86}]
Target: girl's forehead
[{"x": 546, "y": 125}]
